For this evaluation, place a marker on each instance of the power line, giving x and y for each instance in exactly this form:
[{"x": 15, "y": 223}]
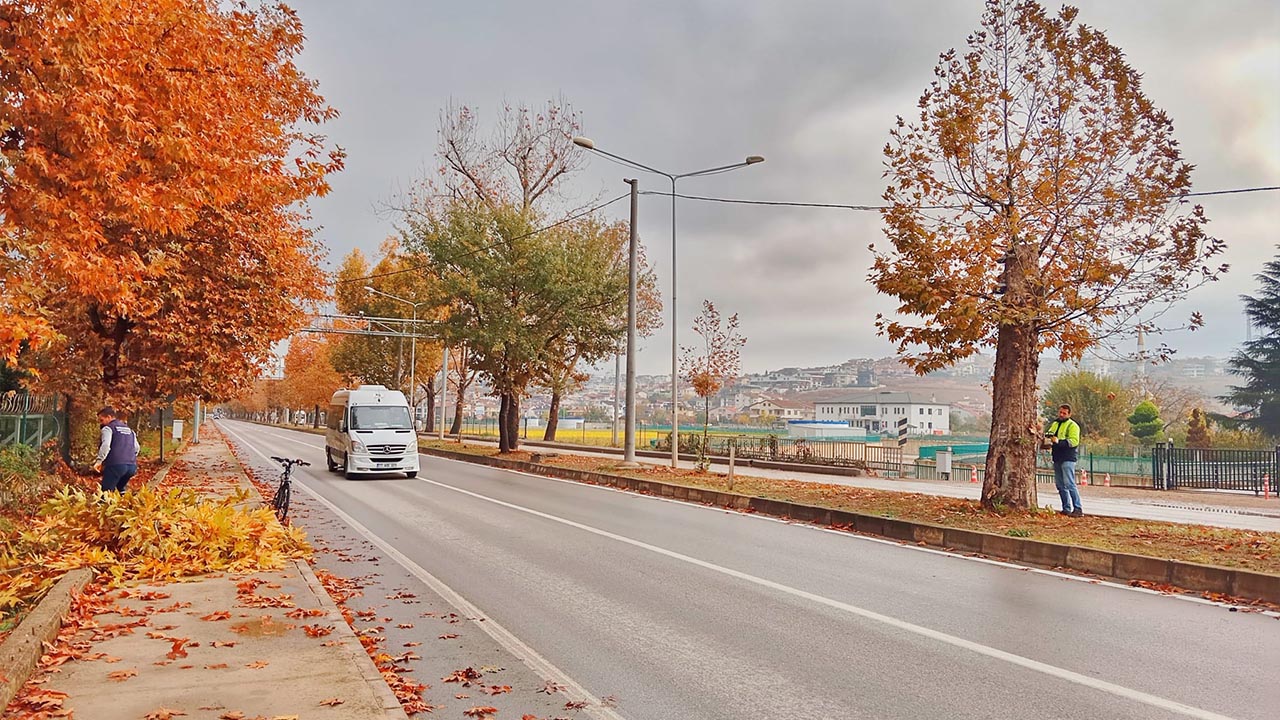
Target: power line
[
  {"x": 877, "y": 208},
  {"x": 482, "y": 248}
]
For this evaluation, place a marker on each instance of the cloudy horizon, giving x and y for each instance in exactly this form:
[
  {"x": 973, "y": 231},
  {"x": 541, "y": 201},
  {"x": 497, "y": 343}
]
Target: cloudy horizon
[{"x": 812, "y": 86}]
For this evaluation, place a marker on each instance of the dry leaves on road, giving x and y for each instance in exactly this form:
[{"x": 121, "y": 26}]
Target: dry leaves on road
[
  {"x": 466, "y": 677},
  {"x": 220, "y": 615},
  {"x": 481, "y": 713},
  {"x": 122, "y": 675},
  {"x": 163, "y": 714},
  {"x": 332, "y": 702},
  {"x": 257, "y": 664}
]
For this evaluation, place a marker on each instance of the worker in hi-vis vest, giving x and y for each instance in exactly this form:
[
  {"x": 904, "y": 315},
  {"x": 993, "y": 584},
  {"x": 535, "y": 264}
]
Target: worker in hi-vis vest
[{"x": 1063, "y": 437}]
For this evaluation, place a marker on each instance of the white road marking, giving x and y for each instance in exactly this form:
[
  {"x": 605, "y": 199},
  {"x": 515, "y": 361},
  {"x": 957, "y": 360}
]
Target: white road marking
[
  {"x": 852, "y": 535},
  {"x": 975, "y": 647},
  {"x": 508, "y": 641}
]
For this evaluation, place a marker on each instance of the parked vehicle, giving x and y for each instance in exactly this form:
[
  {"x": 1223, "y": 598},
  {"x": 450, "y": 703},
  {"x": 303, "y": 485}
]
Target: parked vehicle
[{"x": 370, "y": 431}]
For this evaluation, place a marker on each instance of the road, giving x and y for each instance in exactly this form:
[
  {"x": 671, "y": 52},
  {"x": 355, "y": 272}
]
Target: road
[
  {"x": 1180, "y": 507},
  {"x": 683, "y": 611}
]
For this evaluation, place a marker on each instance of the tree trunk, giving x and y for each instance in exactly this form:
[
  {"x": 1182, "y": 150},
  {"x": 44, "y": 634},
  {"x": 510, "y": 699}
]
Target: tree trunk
[
  {"x": 1015, "y": 434},
  {"x": 316, "y": 418},
  {"x": 430, "y": 425},
  {"x": 504, "y": 408},
  {"x": 553, "y": 417},
  {"x": 457, "y": 413},
  {"x": 513, "y": 422}
]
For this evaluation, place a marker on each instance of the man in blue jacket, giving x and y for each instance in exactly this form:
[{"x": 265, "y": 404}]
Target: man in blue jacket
[
  {"x": 117, "y": 452},
  {"x": 1063, "y": 436}
]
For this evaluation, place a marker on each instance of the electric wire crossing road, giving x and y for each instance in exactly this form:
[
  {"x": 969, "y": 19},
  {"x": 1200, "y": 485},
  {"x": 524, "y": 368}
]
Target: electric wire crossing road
[{"x": 687, "y": 611}]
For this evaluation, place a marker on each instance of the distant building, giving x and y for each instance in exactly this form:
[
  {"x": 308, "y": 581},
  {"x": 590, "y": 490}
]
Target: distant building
[
  {"x": 778, "y": 407},
  {"x": 880, "y": 412}
]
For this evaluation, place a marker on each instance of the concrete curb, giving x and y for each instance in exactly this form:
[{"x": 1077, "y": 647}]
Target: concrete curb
[
  {"x": 1188, "y": 576},
  {"x": 22, "y": 650},
  {"x": 391, "y": 706}
]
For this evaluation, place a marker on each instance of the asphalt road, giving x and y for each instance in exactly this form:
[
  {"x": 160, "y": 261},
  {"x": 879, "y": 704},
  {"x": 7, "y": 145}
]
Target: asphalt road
[{"x": 682, "y": 611}]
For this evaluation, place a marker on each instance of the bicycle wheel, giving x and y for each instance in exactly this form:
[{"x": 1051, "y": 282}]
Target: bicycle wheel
[{"x": 280, "y": 502}]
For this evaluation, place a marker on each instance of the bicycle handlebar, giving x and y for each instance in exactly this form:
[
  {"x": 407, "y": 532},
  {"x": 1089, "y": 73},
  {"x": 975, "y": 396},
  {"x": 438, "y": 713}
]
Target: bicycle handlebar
[{"x": 287, "y": 461}]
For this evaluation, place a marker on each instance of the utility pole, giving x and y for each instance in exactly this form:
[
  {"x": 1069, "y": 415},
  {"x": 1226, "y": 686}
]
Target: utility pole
[{"x": 629, "y": 428}]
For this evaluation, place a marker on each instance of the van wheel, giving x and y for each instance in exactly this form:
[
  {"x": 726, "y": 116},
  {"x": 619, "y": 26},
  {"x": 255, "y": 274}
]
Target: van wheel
[
  {"x": 411, "y": 474},
  {"x": 346, "y": 465},
  {"x": 328, "y": 460}
]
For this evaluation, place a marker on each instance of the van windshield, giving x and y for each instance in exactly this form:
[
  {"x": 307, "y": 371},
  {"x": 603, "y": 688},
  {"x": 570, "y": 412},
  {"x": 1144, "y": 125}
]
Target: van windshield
[{"x": 380, "y": 417}]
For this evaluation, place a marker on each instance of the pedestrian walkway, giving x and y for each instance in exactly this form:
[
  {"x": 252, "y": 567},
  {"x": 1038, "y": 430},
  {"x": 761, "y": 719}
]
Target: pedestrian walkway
[
  {"x": 1179, "y": 506},
  {"x": 267, "y": 644}
]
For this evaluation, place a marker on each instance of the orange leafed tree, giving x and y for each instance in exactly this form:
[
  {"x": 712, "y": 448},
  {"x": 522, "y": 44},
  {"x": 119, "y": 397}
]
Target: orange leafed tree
[
  {"x": 309, "y": 375},
  {"x": 716, "y": 363},
  {"x": 1034, "y": 205},
  {"x": 156, "y": 161}
]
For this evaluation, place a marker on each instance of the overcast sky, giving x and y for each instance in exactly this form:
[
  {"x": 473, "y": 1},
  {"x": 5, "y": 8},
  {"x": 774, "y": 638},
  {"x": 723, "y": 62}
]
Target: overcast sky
[{"x": 812, "y": 85}]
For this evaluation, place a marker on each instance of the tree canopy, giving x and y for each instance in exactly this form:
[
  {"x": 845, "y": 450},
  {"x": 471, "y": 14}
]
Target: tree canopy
[
  {"x": 155, "y": 161},
  {"x": 1257, "y": 362},
  {"x": 1033, "y": 204}
]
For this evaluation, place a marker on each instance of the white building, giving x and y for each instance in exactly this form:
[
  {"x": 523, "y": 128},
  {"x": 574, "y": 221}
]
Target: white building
[
  {"x": 880, "y": 412},
  {"x": 779, "y": 408}
]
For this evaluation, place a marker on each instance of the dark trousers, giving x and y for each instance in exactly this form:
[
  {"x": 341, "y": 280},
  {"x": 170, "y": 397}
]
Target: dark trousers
[{"x": 115, "y": 477}]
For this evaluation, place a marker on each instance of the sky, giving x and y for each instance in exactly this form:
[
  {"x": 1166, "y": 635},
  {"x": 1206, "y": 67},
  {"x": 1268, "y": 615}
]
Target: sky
[{"x": 813, "y": 86}]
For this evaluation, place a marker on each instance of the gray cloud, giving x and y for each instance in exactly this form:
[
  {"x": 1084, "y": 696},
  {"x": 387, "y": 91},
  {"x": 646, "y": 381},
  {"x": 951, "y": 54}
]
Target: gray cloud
[{"x": 813, "y": 86}]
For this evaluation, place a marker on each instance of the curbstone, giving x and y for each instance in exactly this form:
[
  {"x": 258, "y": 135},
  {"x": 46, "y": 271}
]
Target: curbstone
[
  {"x": 1201, "y": 577},
  {"x": 1098, "y": 562},
  {"x": 1137, "y": 567},
  {"x": 21, "y": 651},
  {"x": 967, "y": 540},
  {"x": 1188, "y": 576},
  {"x": 391, "y": 707},
  {"x": 1002, "y": 546},
  {"x": 1044, "y": 554},
  {"x": 1255, "y": 585}
]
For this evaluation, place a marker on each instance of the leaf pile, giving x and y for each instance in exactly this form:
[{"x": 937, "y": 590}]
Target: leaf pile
[{"x": 144, "y": 535}]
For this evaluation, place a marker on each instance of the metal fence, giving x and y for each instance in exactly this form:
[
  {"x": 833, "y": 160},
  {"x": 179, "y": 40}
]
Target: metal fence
[
  {"x": 837, "y": 453},
  {"x": 960, "y": 472},
  {"x": 30, "y": 419},
  {"x": 1215, "y": 469}
]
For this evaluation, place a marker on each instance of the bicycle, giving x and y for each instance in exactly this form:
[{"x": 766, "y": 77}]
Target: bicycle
[{"x": 280, "y": 501}]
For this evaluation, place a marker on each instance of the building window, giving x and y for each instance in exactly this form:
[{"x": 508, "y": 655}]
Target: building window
[
  {"x": 921, "y": 411},
  {"x": 868, "y": 411},
  {"x": 930, "y": 426}
]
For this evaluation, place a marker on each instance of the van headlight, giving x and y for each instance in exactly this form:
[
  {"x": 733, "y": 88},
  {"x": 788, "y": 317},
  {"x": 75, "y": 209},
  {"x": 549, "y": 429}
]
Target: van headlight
[{"x": 358, "y": 446}]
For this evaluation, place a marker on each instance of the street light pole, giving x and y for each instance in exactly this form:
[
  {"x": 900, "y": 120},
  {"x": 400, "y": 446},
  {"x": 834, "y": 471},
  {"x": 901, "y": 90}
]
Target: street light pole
[
  {"x": 589, "y": 144},
  {"x": 629, "y": 433},
  {"x": 413, "y": 350},
  {"x": 444, "y": 389}
]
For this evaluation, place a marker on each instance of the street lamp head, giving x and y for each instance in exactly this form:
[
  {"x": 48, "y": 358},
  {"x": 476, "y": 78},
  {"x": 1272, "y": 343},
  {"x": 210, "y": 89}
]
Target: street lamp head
[
  {"x": 584, "y": 142},
  {"x": 753, "y": 159},
  {"x": 370, "y": 289}
]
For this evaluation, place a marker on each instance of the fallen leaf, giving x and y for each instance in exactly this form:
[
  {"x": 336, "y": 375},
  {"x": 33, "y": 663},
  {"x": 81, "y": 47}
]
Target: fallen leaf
[
  {"x": 450, "y": 636},
  {"x": 232, "y": 715},
  {"x": 163, "y": 714},
  {"x": 177, "y": 651},
  {"x": 218, "y": 666},
  {"x": 223, "y": 643},
  {"x": 220, "y": 615},
  {"x": 332, "y": 702},
  {"x": 481, "y": 712},
  {"x": 497, "y": 689},
  {"x": 257, "y": 664},
  {"x": 122, "y": 675}
]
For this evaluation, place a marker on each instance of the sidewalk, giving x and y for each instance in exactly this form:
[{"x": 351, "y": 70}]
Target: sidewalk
[
  {"x": 1179, "y": 506},
  {"x": 217, "y": 647}
]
